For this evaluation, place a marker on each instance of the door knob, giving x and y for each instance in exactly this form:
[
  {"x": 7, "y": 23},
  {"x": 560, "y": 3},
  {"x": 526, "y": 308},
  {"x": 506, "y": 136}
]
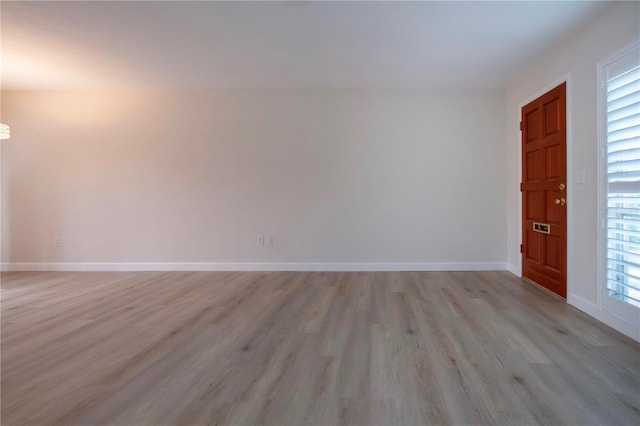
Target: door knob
[
  {"x": 561, "y": 201},
  {"x": 562, "y": 187}
]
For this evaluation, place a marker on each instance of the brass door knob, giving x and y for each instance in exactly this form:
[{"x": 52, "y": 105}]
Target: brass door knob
[{"x": 561, "y": 201}]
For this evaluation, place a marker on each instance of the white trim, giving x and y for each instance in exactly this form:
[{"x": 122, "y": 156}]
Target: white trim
[
  {"x": 566, "y": 78},
  {"x": 570, "y": 181},
  {"x": 515, "y": 269},
  {"x": 626, "y": 314},
  {"x": 593, "y": 310},
  {"x": 600, "y": 186},
  {"x": 256, "y": 266}
]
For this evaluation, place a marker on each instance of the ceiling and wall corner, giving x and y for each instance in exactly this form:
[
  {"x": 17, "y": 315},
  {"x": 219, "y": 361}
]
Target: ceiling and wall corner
[{"x": 186, "y": 44}]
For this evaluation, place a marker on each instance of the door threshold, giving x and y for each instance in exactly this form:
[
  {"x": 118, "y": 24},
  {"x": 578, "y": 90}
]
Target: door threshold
[{"x": 530, "y": 281}]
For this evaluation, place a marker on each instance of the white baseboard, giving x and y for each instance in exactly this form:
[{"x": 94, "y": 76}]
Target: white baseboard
[
  {"x": 256, "y": 266},
  {"x": 514, "y": 269},
  {"x": 593, "y": 310}
]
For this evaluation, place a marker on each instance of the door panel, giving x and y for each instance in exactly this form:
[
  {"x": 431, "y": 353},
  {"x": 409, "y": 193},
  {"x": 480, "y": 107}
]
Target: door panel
[
  {"x": 544, "y": 251},
  {"x": 534, "y": 247},
  {"x": 532, "y": 125},
  {"x": 535, "y": 206},
  {"x": 553, "y": 169},
  {"x": 552, "y": 119},
  {"x": 554, "y": 215},
  {"x": 534, "y": 171},
  {"x": 553, "y": 252}
]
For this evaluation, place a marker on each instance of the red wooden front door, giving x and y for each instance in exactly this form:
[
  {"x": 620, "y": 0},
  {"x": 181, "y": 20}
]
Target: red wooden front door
[{"x": 544, "y": 192}]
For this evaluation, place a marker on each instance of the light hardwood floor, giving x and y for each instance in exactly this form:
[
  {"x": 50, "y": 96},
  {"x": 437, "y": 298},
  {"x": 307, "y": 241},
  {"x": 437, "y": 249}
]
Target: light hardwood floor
[{"x": 301, "y": 348}]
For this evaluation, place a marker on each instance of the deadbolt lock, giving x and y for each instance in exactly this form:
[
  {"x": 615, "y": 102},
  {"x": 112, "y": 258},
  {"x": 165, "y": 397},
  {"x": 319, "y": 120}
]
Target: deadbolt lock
[{"x": 562, "y": 187}]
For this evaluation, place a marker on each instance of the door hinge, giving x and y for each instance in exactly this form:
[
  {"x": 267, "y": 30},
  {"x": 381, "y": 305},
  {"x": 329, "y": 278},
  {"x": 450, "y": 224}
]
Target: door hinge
[
  {"x": 521, "y": 125},
  {"x": 521, "y": 248},
  {"x": 520, "y": 186}
]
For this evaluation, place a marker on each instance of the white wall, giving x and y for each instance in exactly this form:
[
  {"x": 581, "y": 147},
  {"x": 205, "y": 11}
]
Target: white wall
[
  {"x": 616, "y": 28},
  {"x": 195, "y": 176}
]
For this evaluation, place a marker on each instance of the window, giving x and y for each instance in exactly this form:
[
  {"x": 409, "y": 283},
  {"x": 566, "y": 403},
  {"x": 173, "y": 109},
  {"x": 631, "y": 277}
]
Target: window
[{"x": 620, "y": 79}]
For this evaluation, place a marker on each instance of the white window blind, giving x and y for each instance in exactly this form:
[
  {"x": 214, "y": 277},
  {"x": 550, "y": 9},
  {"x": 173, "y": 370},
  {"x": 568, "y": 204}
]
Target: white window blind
[{"x": 622, "y": 89}]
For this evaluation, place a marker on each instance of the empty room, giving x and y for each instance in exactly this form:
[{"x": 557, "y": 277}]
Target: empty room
[{"x": 320, "y": 213}]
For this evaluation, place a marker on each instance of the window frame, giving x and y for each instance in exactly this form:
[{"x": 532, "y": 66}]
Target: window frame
[{"x": 623, "y": 311}]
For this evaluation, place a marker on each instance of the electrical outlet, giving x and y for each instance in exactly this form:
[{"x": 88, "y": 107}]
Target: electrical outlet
[
  {"x": 57, "y": 241},
  {"x": 260, "y": 240}
]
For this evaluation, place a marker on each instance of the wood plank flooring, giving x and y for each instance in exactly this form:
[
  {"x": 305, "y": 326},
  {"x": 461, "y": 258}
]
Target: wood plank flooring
[{"x": 306, "y": 348}]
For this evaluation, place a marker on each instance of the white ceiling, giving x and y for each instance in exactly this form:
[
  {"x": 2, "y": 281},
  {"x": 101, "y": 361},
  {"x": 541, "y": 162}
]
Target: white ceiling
[{"x": 180, "y": 44}]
